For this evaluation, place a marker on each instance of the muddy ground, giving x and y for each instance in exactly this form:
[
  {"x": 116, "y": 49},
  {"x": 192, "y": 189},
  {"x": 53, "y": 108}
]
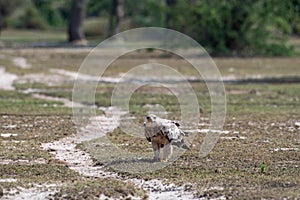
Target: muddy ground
[{"x": 44, "y": 156}]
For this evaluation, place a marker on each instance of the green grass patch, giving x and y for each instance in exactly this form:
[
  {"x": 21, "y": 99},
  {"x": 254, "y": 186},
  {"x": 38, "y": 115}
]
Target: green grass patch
[
  {"x": 12, "y": 102},
  {"x": 263, "y": 99},
  {"x": 241, "y": 99},
  {"x": 22, "y": 36}
]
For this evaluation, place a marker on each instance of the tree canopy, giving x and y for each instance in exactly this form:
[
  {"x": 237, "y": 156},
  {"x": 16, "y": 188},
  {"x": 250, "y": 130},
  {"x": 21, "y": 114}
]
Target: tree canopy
[{"x": 223, "y": 27}]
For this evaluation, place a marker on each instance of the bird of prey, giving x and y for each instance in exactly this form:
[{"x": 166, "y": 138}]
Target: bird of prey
[{"x": 163, "y": 133}]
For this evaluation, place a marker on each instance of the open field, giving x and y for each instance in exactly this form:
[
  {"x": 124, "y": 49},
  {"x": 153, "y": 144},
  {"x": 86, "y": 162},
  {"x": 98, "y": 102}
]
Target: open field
[
  {"x": 262, "y": 126},
  {"x": 13, "y": 36}
]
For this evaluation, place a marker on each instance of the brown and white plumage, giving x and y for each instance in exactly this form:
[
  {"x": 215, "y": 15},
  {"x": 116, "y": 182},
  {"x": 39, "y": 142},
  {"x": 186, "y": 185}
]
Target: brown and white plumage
[{"x": 163, "y": 133}]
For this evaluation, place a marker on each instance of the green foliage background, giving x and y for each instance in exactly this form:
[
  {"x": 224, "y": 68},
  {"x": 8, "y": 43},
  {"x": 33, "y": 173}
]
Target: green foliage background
[{"x": 223, "y": 27}]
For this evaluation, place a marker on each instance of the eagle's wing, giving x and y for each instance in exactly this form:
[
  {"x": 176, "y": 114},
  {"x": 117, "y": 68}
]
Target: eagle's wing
[
  {"x": 169, "y": 128},
  {"x": 173, "y": 132}
]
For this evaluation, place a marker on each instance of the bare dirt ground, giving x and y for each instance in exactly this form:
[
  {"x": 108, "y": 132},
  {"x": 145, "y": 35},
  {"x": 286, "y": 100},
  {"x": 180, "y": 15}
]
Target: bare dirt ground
[{"x": 43, "y": 156}]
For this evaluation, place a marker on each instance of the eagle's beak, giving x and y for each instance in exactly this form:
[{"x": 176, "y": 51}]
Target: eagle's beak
[{"x": 148, "y": 119}]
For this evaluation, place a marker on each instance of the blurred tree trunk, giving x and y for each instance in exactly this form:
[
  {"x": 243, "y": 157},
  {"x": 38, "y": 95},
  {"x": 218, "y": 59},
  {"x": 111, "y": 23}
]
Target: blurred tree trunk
[
  {"x": 7, "y": 7},
  {"x": 75, "y": 31},
  {"x": 1, "y": 21},
  {"x": 116, "y": 17},
  {"x": 170, "y": 4}
]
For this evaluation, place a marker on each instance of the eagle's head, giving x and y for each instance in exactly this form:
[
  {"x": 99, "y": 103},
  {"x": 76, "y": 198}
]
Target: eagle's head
[{"x": 150, "y": 118}]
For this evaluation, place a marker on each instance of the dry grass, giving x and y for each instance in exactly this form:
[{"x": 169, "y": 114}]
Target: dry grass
[{"x": 260, "y": 119}]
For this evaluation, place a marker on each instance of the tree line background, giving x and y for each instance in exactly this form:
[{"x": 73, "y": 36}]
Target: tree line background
[{"x": 223, "y": 27}]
